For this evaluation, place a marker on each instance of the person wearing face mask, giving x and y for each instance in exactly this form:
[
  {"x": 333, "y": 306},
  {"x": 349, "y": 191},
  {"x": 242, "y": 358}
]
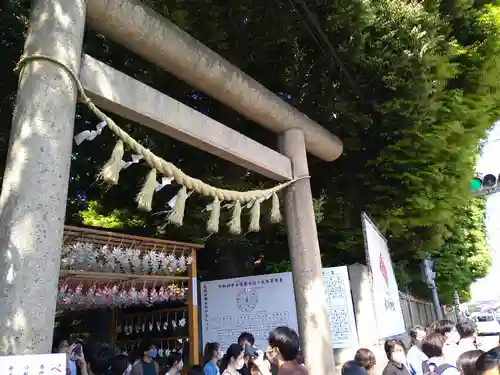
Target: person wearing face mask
[
  {"x": 146, "y": 365},
  {"x": 415, "y": 355},
  {"x": 283, "y": 348},
  {"x": 451, "y": 351},
  {"x": 396, "y": 354},
  {"x": 233, "y": 360},
  {"x": 212, "y": 355},
  {"x": 174, "y": 364}
]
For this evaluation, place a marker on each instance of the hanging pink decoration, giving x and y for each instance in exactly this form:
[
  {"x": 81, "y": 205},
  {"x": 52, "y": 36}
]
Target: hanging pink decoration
[{"x": 99, "y": 296}]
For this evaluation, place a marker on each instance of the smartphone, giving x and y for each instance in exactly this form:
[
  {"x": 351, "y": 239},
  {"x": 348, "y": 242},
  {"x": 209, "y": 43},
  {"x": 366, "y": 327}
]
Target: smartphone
[
  {"x": 77, "y": 350},
  {"x": 251, "y": 351}
]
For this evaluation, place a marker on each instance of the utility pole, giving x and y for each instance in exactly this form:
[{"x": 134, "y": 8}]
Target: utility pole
[
  {"x": 429, "y": 277},
  {"x": 456, "y": 305}
]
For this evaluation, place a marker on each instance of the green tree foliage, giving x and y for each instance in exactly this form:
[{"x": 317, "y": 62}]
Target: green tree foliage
[
  {"x": 116, "y": 219},
  {"x": 410, "y": 87}
]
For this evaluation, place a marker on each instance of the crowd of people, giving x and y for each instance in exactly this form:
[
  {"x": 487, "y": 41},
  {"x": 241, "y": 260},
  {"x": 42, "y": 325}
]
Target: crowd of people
[
  {"x": 243, "y": 358},
  {"x": 445, "y": 348},
  {"x": 103, "y": 359},
  {"x": 240, "y": 358}
]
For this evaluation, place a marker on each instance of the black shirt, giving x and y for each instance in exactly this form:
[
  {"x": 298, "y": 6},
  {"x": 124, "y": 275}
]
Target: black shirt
[
  {"x": 394, "y": 368},
  {"x": 353, "y": 368}
]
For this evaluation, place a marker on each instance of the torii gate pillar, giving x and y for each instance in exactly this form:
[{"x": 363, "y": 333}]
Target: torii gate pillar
[
  {"x": 309, "y": 287},
  {"x": 35, "y": 183}
]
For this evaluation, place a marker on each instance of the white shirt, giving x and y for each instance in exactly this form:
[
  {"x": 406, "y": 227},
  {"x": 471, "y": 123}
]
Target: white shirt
[
  {"x": 415, "y": 357},
  {"x": 466, "y": 345},
  {"x": 72, "y": 367},
  {"x": 451, "y": 352}
]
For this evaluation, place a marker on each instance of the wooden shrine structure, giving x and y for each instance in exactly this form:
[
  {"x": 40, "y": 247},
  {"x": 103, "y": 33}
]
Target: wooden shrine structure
[{"x": 112, "y": 239}]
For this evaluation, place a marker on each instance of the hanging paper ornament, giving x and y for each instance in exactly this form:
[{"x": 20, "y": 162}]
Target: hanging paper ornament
[
  {"x": 154, "y": 261},
  {"x": 89, "y": 135},
  {"x": 146, "y": 263},
  {"x": 135, "y": 261},
  {"x": 165, "y": 181},
  {"x": 163, "y": 268},
  {"x": 181, "y": 263},
  {"x": 134, "y": 159}
]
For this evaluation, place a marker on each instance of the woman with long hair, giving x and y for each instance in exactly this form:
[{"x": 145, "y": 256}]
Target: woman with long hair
[
  {"x": 211, "y": 356},
  {"x": 174, "y": 364},
  {"x": 232, "y": 361}
]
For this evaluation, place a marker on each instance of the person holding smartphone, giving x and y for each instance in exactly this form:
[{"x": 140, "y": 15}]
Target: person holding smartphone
[
  {"x": 247, "y": 341},
  {"x": 258, "y": 364},
  {"x": 66, "y": 348}
]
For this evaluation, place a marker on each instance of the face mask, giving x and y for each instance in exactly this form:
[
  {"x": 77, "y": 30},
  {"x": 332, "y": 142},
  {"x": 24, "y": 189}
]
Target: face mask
[
  {"x": 152, "y": 353},
  {"x": 239, "y": 364},
  {"x": 399, "y": 357}
]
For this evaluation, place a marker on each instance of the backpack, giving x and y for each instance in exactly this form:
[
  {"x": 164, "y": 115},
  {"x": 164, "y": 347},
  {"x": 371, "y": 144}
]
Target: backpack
[{"x": 432, "y": 369}]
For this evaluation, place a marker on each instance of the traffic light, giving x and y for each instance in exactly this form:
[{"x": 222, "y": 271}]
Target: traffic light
[
  {"x": 486, "y": 185},
  {"x": 428, "y": 271}
]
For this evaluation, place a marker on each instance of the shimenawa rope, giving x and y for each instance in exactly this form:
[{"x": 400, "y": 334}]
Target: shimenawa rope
[{"x": 114, "y": 165}]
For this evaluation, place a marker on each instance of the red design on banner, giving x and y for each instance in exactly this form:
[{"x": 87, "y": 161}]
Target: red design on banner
[{"x": 383, "y": 270}]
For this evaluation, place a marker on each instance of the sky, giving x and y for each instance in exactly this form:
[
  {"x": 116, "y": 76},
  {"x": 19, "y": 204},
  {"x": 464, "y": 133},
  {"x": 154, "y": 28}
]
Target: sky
[{"x": 487, "y": 289}]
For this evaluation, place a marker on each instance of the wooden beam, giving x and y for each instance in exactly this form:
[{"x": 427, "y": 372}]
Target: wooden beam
[
  {"x": 194, "y": 349},
  {"x": 147, "y": 33},
  {"x": 118, "y": 93},
  {"x": 123, "y": 277}
]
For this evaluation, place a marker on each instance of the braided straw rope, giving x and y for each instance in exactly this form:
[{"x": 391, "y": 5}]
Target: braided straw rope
[{"x": 161, "y": 165}]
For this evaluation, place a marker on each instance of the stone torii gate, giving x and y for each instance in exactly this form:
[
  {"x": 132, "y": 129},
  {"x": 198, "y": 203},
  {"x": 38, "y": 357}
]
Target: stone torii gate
[{"x": 35, "y": 184}]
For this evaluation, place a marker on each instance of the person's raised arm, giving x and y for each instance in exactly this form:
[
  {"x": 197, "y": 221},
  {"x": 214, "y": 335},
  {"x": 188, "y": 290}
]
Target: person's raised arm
[{"x": 80, "y": 361}]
